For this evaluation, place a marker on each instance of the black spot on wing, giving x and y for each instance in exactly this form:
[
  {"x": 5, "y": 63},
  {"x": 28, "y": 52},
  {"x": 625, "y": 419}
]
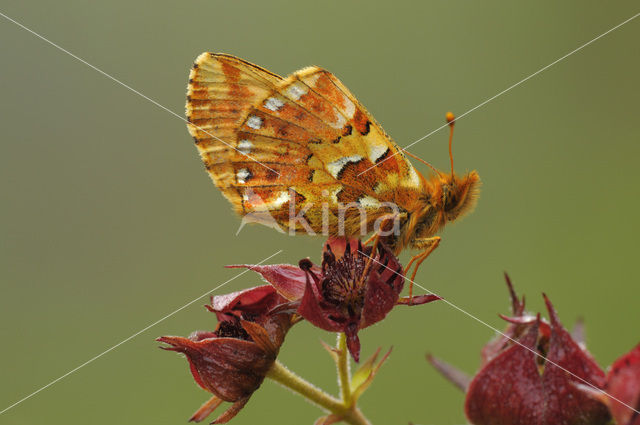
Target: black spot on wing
[
  {"x": 346, "y": 131},
  {"x": 297, "y": 197},
  {"x": 347, "y": 166},
  {"x": 383, "y": 156},
  {"x": 367, "y": 128}
]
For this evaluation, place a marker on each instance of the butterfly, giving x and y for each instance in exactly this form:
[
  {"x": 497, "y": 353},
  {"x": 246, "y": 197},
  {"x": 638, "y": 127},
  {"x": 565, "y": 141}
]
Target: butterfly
[{"x": 302, "y": 154}]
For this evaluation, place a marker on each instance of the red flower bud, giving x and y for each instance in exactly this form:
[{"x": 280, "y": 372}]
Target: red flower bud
[
  {"x": 532, "y": 376},
  {"x": 353, "y": 289},
  {"x": 232, "y": 361}
]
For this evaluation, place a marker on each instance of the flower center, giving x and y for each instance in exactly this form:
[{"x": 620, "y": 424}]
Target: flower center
[
  {"x": 343, "y": 284},
  {"x": 232, "y": 329}
]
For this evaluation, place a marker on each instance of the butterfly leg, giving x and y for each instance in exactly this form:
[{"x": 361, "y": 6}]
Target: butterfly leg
[
  {"x": 373, "y": 237},
  {"x": 376, "y": 240},
  {"x": 376, "y": 235},
  {"x": 428, "y": 245}
]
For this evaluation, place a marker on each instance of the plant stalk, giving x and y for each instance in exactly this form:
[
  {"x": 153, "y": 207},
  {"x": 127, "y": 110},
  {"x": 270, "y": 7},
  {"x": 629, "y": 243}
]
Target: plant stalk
[
  {"x": 349, "y": 414},
  {"x": 342, "y": 364}
]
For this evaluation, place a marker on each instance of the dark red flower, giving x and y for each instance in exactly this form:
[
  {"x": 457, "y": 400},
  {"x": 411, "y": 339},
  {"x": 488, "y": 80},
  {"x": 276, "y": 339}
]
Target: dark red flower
[
  {"x": 525, "y": 379},
  {"x": 623, "y": 383},
  {"x": 344, "y": 294},
  {"x": 232, "y": 361}
]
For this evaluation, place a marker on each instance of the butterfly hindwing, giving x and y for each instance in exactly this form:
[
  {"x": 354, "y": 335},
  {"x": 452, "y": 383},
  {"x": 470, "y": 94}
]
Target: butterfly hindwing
[
  {"x": 221, "y": 90},
  {"x": 302, "y": 144}
]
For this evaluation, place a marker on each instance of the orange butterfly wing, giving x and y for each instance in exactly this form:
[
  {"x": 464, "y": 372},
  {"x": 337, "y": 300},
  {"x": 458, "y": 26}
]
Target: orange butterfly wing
[
  {"x": 222, "y": 88},
  {"x": 295, "y": 147}
]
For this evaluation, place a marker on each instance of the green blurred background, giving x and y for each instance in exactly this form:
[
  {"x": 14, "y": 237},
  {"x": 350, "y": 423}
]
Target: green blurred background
[{"x": 109, "y": 221}]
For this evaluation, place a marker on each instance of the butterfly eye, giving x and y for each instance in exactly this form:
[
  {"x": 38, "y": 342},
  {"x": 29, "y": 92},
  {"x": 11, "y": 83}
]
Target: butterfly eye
[
  {"x": 451, "y": 204},
  {"x": 449, "y": 197}
]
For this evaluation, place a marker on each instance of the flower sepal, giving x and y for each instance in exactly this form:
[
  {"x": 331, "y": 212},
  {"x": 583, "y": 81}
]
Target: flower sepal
[{"x": 363, "y": 377}]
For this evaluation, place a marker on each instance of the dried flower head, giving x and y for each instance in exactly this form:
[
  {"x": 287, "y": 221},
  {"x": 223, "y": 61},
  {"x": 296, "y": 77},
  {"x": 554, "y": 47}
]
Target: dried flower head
[{"x": 232, "y": 361}]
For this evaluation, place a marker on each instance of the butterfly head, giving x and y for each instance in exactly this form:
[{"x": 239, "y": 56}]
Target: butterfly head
[
  {"x": 458, "y": 195},
  {"x": 450, "y": 198}
]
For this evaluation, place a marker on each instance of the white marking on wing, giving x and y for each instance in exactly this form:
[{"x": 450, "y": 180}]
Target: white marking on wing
[
  {"x": 340, "y": 119},
  {"x": 242, "y": 175},
  {"x": 336, "y": 166},
  {"x": 376, "y": 152},
  {"x": 254, "y": 122},
  {"x": 333, "y": 195},
  {"x": 297, "y": 90},
  {"x": 273, "y": 104},
  {"x": 369, "y": 202},
  {"x": 283, "y": 197},
  {"x": 245, "y": 146},
  {"x": 349, "y": 107}
]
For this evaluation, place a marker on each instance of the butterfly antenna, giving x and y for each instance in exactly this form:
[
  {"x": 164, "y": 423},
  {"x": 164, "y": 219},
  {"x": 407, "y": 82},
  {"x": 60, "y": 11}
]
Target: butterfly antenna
[
  {"x": 451, "y": 119},
  {"x": 424, "y": 162}
]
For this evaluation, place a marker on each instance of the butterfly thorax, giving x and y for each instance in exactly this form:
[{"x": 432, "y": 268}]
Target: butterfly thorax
[{"x": 446, "y": 199}]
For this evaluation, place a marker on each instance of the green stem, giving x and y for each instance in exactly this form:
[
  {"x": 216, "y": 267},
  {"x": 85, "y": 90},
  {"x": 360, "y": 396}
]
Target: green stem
[
  {"x": 284, "y": 376},
  {"x": 344, "y": 375},
  {"x": 349, "y": 414}
]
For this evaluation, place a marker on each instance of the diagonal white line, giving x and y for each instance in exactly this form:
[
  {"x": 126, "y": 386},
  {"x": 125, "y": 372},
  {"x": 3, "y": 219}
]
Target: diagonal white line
[
  {"x": 114, "y": 79},
  {"x": 504, "y": 335},
  {"x": 131, "y": 337},
  {"x": 506, "y": 90}
]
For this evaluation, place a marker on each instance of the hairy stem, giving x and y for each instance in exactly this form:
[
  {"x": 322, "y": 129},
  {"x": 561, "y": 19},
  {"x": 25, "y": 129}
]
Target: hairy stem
[
  {"x": 344, "y": 375},
  {"x": 349, "y": 414},
  {"x": 284, "y": 376}
]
